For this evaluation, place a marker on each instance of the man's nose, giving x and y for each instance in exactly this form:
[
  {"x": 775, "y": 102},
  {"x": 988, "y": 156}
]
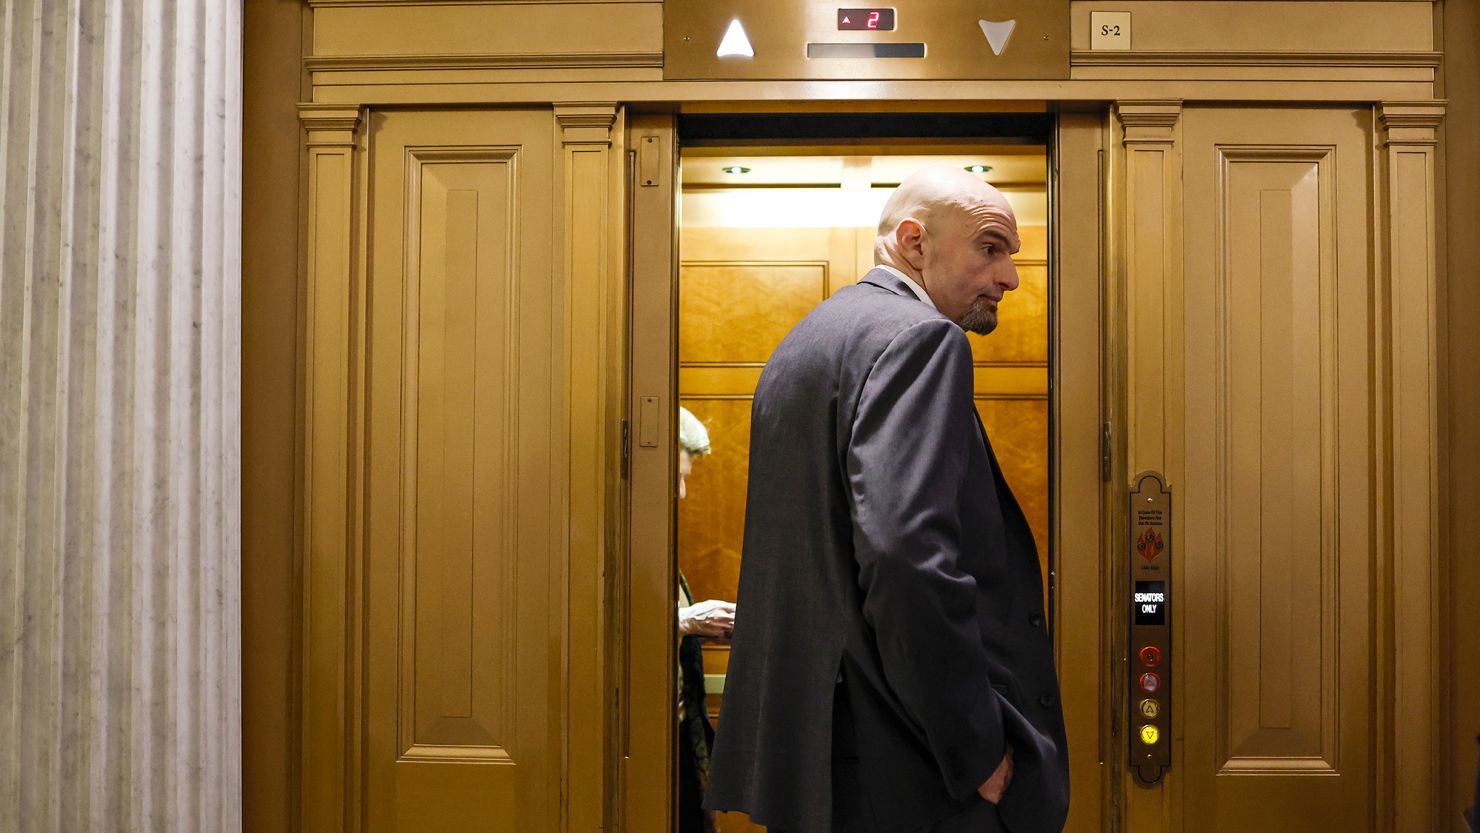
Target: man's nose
[{"x": 1008, "y": 280}]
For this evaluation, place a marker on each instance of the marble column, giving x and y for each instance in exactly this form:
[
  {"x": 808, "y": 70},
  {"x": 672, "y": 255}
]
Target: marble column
[{"x": 120, "y": 172}]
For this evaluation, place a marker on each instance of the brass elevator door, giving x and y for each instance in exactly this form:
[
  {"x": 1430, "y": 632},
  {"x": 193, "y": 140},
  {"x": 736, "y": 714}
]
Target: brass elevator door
[
  {"x": 1277, "y": 553},
  {"x": 461, "y": 721}
]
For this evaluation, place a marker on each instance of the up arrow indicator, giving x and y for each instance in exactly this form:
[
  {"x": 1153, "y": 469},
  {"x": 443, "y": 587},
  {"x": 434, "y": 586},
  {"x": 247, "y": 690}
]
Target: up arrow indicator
[
  {"x": 998, "y": 33},
  {"x": 735, "y": 42},
  {"x": 846, "y": 20}
]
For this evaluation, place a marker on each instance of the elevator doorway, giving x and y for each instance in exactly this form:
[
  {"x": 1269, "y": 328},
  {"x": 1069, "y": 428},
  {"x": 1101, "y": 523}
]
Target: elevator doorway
[
  {"x": 771, "y": 215},
  {"x": 763, "y": 238}
]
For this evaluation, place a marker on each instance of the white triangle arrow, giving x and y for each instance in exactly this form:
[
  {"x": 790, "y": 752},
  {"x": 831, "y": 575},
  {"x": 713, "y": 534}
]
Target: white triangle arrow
[
  {"x": 846, "y": 20},
  {"x": 998, "y": 33},
  {"x": 735, "y": 42}
]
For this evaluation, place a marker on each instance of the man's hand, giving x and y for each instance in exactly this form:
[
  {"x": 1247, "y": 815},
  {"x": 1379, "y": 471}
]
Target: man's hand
[
  {"x": 1001, "y": 778},
  {"x": 710, "y": 618}
]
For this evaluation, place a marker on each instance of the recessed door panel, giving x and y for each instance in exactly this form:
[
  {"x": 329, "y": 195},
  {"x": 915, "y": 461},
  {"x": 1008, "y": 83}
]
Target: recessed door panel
[
  {"x": 456, "y": 561},
  {"x": 1277, "y": 401}
]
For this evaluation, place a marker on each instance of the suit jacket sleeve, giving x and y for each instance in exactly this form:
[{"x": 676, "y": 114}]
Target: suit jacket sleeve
[{"x": 906, "y": 464}]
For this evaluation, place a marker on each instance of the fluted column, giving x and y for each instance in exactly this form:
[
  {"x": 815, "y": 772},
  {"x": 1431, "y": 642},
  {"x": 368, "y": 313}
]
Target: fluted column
[{"x": 119, "y": 415}]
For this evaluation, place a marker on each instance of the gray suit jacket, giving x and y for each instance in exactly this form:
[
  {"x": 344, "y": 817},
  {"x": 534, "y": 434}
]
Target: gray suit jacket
[{"x": 890, "y": 613}]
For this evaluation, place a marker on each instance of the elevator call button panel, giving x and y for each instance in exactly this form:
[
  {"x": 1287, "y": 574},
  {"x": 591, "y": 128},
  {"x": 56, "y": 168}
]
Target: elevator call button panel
[
  {"x": 1149, "y": 594},
  {"x": 914, "y": 40}
]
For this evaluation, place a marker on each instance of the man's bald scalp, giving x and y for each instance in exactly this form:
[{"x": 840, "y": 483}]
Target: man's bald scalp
[
  {"x": 942, "y": 194},
  {"x": 923, "y": 193}
]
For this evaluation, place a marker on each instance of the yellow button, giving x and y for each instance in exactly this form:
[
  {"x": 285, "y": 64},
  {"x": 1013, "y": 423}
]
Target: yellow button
[
  {"x": 1150, "y": 709},
  {"x": 1150, "y": 735}
]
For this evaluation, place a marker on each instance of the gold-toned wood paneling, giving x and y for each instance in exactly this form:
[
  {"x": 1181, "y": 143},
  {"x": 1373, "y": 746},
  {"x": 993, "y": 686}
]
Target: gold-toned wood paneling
[
  {"x": 1012, "y": 381},
  {"x": 1459, "y": 439},
  {"x": 1018, "y": 429},
  {"x": 645, "y": 86},
  {"x": 537, "y": 52},
  {"x": 1022, "y": 319},
  {"x": 1361, "y": 41},
  {"x": 1266, "y": 68},
  {"x": 1276, "y": 412},
  {"x": 836, "y": 247},
  {"x": 408, "y": 62},
  {"x": 738, "y": 311},
  {"x": 463, "y": 378},
  {"x": 1407, "y": 218},
  {"x": 1081, "y": 621},
  {"x": 328, "y": 797},
  {"x": 460, "y": 483},
  {"x": 349, "y": 68},
  {"x": 1335, "y": 26},
  {"x": 481, "y": 29},
  {"x": 711, "y": 521},
  {"x": 720, "y": 381},
  {"x": 594, "y": 340},
  {"x": 739, "y": 381},
  {"x": 274, "y": 188},
  {"x": 1151, "y": 237},
  {"x": 1267, "y": 63},
  {"x": 1274, "y": 551},
  {"x": 1146, "y": 329},
  {"x": 646, "y": 581}
]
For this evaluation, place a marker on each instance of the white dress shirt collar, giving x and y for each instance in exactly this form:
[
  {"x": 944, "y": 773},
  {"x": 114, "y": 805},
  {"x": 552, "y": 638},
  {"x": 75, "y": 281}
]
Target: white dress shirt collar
[{"x": 908, "y": 281}]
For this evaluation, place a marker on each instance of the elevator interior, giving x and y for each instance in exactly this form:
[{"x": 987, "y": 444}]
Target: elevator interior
[{"x": 776, "y": 214}]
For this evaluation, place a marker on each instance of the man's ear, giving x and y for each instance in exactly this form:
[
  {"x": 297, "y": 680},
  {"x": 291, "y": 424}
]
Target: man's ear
[{"x": 910, "y": 237}]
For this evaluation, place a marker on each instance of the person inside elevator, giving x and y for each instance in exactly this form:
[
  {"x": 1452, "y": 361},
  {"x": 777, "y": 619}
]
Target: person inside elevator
[
  {"x": 709, "y": 619},
  {"x": 891, "y": 669}
]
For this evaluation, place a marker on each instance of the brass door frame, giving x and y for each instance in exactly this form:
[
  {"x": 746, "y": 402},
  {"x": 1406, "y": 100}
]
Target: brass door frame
[
  {"x": 647, "y": 575},
  {"x": 1081, "y": 505},
  {"x": 1077, "y": 413}
]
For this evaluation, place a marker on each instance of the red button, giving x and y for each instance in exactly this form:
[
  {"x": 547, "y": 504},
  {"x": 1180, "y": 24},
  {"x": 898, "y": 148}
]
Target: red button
[
  {"x": 1150, "y": 682},
  {"x": 1150, "y": 656}
]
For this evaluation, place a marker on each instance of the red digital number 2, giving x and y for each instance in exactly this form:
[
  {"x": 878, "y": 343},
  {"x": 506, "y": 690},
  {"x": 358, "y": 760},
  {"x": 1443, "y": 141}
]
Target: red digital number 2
[{"x": 873, "y": 20}]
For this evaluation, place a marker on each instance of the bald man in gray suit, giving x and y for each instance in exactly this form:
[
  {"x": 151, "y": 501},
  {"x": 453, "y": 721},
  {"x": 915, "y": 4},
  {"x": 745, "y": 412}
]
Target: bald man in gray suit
[{"x": 891, "y": 669}]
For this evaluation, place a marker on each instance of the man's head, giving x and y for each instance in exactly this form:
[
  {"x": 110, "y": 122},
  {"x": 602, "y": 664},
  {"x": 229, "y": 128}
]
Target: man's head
[
  {"x": 693, "y": 441},
  {"x": 955, "y": 236}
]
